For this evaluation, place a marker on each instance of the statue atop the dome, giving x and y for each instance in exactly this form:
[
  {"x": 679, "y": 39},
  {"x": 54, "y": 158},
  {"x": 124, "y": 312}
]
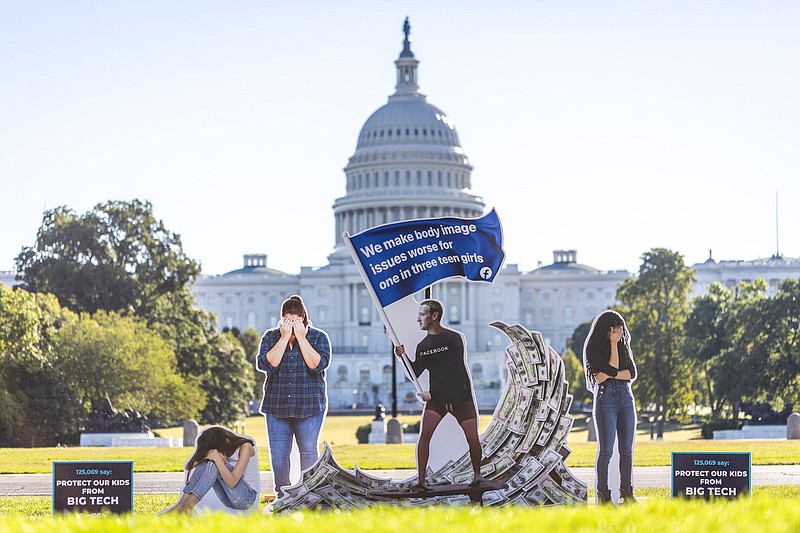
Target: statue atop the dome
[{"x": 407, "y": 40}]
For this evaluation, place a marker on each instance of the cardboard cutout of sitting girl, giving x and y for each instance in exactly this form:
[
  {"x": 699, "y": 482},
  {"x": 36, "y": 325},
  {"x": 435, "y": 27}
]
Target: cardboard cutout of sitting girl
[{"x": 226, "y": 462}]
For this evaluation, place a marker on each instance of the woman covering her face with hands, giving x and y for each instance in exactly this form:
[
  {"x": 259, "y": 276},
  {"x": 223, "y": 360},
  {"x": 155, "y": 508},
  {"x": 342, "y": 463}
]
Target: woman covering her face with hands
[
  {"x": 609, "y": 366},
  {"x": 294, "y": 356}
]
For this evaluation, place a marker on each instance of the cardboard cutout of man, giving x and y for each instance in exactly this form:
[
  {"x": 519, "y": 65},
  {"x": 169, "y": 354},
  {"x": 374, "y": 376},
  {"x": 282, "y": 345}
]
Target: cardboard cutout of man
[{"x": 442, "y": 353}]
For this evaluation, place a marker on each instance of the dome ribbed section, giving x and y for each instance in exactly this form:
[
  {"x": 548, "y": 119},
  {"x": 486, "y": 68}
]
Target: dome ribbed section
[{"x": 408, "y": 163}]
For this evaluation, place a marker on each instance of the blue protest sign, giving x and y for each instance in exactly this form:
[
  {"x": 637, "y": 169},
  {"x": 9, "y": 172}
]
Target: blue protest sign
[{"x": 402, "y": 258}]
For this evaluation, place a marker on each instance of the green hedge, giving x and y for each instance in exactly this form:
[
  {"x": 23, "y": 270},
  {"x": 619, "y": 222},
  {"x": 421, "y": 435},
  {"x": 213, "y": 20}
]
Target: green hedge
[{"x": 708, "y": 428}]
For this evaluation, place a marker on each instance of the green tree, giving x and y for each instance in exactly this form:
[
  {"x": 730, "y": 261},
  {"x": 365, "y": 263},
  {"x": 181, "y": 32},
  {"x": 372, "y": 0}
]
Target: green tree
[
  {"x": 116, "y": 257},
  {"x": 578, "y": 338},
  {"x": 781, "y": 335},
  {"x": 36, "y": 407},
  {"x": 228, "y": 393},
  {"x": 20, "y": 342},
  {"x": 707, "y": 340},
  {"x": 20, "y": 327},
  {"x": 575, "y": 376},
  {"x": 655, "y": 305},
  {"x": 250, "y": 339},
  {"x": 121, "y": 358},
  {"x": 740, "y": 370}
]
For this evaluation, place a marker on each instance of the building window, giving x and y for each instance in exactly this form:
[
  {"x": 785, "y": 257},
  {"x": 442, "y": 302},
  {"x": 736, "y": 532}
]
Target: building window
[
  {"x": 342, "y": 373},
  {"x": 455, "y": 315},
  {"x": 251, "y": 319},
  {"x": 546, "y": 317},
  {"x": 528, "y": 317},
  {"x": 322, "y": 314},
  {"x": 477, "y": 371},
  {"x": 497, "y": 312},
  {"x": 365, "y": 340},
  {"x": 498, "y": 340},
  {"x": 210, "y": 300},
  {"x": 229, "y": 321},
  {"x": 590, "y": 296},
  {"x": 365, "y": 319},
  {"x": 273, "y": 320},
  {"x": 363, "y": 375},
  {"x": 387, "y": 375},
  {"x": 546, "y": 296},
  {"x": 569, "y": 316},
  {"x": 251, "y": 300}
]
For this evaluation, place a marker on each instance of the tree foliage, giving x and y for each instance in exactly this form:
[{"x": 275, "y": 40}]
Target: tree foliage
[
  {"x": 120, "y": 358},
  {"x": 746, "y": 345},
  {"x": 655, "y": 306},
  {"x": 119, "y": 258},
  {"x": 228, "y": 393},
  {"x": 20, "y": 327},
  {"x": 116, "y": 257},
  {"x": 706, "y": 341},
  {"x": 575, "y": 376}
]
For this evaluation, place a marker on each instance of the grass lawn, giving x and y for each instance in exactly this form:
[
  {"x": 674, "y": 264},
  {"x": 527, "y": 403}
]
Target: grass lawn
[
  {"x": 340, "y": 432},
  {"x": 658, "y": 512}
]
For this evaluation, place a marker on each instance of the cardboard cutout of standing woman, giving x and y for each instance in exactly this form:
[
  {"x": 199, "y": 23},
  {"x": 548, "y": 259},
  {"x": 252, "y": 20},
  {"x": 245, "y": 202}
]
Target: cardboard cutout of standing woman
[
  {"x": 442, "y": 354},
  {"x": 294, "y": 356},
  {"x": 610, "y": 370}
]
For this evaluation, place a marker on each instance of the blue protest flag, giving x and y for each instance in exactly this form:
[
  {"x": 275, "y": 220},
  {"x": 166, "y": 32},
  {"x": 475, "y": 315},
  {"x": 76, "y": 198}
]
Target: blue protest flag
[{"x": 402, "y": 258}]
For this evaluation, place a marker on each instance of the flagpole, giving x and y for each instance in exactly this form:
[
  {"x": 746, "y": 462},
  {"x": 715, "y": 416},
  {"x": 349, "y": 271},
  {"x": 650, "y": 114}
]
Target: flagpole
[{"x": 381, "y": 311}]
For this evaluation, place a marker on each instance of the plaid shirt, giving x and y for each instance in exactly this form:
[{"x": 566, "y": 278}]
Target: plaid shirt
[{"x": 291, "y": 389}]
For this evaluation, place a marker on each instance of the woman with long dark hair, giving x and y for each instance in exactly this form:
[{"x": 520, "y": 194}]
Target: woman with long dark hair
[
  {"x": 610, "y": 369},
  {"x": 294, "y": 356},
  {"x": 223, "y": 461}
]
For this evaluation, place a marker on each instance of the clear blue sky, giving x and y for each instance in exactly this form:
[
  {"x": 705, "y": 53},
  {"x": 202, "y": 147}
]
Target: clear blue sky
[{"x": 610, "y": 127}]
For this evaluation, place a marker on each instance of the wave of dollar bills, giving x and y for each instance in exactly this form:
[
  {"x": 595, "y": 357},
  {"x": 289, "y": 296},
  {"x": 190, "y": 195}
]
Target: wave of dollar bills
[{"x": 525, "y": 446}]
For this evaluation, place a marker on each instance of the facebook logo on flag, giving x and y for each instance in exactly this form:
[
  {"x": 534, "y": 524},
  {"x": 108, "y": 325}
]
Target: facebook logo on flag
[{"x": 402, "y": 258}]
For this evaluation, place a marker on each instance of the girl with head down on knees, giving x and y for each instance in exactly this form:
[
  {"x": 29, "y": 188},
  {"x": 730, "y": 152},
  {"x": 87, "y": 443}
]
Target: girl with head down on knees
[{"x": 223, "y": 461}]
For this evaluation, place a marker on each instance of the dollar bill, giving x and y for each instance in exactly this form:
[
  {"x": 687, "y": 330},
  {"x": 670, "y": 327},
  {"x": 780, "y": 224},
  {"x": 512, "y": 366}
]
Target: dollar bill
[
  {"x": 526, "y": 475},
  {"x": 536, "y": 496},
  {"x": 562, "y": 430},
  {"x": 574, "y": 486},
  {"x": 519, "y": 418},
  {"x": 538, "y": 341},
  {"x": 555, "y": 493},
  {"x": 520, "y": 362},
  {"x": 505, "y": 409},
  {"x": 368, "y": 480},
  {"x": 542, "y": 411},
  {"x": 549, "y": 428}
]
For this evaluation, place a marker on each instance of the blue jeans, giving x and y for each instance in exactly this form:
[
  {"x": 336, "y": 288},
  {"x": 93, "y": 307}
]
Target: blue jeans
[
  {"x": 280, "y": 432},
  {"x": 206, "y": 477},
  {"x": 615, "y": 416}
]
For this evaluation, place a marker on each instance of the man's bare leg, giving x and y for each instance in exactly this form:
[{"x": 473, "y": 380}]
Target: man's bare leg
[
  {"x": 430, "y": 420},
  {"x": 470, "y": 428}
]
